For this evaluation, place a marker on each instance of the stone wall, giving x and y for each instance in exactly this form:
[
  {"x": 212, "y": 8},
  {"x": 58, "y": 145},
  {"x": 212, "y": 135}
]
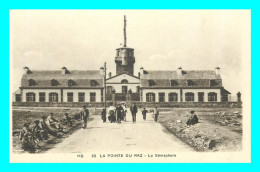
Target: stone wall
[{"x": 139, "y": 104}]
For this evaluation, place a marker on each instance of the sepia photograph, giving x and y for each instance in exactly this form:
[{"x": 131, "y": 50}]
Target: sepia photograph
[{"x": 130, "y": 86}]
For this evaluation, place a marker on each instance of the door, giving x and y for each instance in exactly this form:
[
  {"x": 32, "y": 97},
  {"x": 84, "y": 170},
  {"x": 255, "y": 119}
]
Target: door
[{"x": 124, "y": 89}]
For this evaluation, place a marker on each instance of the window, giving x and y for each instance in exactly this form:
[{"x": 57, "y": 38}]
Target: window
[
  {"x": 54, "y": 82},
  {"x": 201, "y": 97},
  {"x": 174, "y": 83},
  {"x": 138, "y": 89},
  {"x": 32, "y": 82},
  {"x": 42, "y": 97},
  {"x": 189, "y": 97},
  {"x": 190, "y": 83},
  {"x": 212, "y": 97},
  {"x": 173, "y": 97},
  {"x": 151, "y": 83},
  {"x": 213, "y": 83},
  {"x": 71, "y": 83},
  {"x": 109, "y": 89},
  {"x": 124, "y": 89},
  {"x": 161, "y": 97},
  {"x": 81, "y": 97},
  {"x": 92, "y": 97},
  {"x": 93, "y": 83},
  {"x": 30, "y": 97},
  {"x": 70, "y": 97},
  {"x": 124, "y": 81},
  {"x": 53, "y": 97},
  {"x": 150, "y": 97},
  {"x": 17, "y": 98}
]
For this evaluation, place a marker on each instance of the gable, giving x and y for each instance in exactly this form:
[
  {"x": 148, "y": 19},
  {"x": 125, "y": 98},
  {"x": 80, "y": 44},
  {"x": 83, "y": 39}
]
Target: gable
[{"x": 123, "y": 77}]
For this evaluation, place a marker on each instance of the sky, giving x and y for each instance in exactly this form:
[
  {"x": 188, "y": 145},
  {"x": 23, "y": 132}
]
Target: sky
[{"x": 162, "y": 39}]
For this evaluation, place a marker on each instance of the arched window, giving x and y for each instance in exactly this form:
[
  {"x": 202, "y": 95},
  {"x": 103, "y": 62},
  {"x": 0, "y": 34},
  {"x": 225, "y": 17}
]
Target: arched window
[
  {"x": 53, "y": 97},
  {"x": 150, "y": 97},
  {"x": 174, "y": 83},
  {"x": 54, "y": 82},
  {"x": 212, "y": 97},
  {"x": 93, "y": 83},
  {"x": 173, "y": 97},
  {"x": 30, "y": 97},
  {"x": 189, "y": 97},
  {"x": 32, "y": 82},
  {"x": 71, "y": 83},
  {"x": 124, "y": 81}
]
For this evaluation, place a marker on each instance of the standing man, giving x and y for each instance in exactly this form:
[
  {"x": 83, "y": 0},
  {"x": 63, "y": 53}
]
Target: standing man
[
  {"x": 124, "y": 112},
  {"x": 156, "y": 114},
  {"x": 84, "y": 116},
  {"x": 144, "y": 113},
  {"x": 133, "y": 110},
  {"x": 119, "y": 112},
  {"x": 103, "y": 115}
]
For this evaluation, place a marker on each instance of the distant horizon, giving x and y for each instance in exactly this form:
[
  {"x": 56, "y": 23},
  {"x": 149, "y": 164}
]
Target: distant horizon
[{"x": 163, "y": 40}]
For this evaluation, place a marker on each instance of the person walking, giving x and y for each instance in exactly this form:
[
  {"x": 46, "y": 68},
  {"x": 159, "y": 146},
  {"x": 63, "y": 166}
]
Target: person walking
[
  {"x": 144, "y": 113},
  {"x": 84, "y": 116},
  {"x": 156, "y": 114},
  {"x": 133, "y": 110}
]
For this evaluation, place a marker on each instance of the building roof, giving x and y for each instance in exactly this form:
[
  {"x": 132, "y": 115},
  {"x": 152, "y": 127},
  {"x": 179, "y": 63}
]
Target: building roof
[
  {"x": 81, "y": 78},
  {"x": 186, "y": 74},
  {"x": 122, "y": 74},
  {"x": 199, "y": 78}
]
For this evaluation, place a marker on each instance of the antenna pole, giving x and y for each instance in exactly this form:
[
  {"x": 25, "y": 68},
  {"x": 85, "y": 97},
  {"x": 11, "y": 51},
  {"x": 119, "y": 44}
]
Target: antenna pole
[{"x": 124, "y": 31}]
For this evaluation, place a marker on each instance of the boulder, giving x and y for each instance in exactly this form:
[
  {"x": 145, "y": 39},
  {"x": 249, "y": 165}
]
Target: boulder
[{"x": 178, "y": 121}]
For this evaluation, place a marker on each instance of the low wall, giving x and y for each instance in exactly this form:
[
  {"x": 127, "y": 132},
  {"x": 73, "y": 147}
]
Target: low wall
[{"x": 139, "y": 104}]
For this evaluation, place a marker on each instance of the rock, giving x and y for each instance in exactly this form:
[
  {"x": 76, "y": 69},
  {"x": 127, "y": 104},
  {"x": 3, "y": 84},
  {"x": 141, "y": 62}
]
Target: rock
[
  {"x": 236, "y": 112},
  {"x": 226, "y": 121},
  {"x": 178, "y": 121},
  {"x": 228, "y": 118},
  {"x": 237, "y": 124},
  {"x": 212, "y": 144},
  {"x": 197, "y": 136}
]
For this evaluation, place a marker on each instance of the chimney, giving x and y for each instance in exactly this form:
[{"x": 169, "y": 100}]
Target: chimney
[
  {"x": 139, "y": 74},
  {"x": 179, "y": 71},
  {"x": 141, "y": 71},
  {"x": 64, "y": 70},
  {"x": 101, "y": 71},
  {"x": 109, "y": 75},
  {"x": 217, "y": 70},
  {"x": 26, "y": 70}
]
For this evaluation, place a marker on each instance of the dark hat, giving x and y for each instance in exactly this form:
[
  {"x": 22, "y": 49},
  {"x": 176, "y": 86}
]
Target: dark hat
[
  {"x": 36, "y": 121},
  {"x": 192, "y": 111},
  {"x": 66, "y": 114},
  {"x": 26, "y": 124},
  {"x": 84, "y": 106},
  {"x": 51, "y": 113}
]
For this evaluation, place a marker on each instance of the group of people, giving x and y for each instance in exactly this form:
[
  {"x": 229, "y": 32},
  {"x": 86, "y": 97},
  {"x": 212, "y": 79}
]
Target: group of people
[
  {"x": 41, "y": 130},
  {"x": 118, "y": 113}
]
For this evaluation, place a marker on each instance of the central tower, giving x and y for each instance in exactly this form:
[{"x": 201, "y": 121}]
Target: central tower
[{"x": 125, "y": 57}]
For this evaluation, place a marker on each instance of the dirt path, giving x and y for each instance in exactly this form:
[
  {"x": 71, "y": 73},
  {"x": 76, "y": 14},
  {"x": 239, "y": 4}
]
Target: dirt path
[{"x": 141, "y": 136}]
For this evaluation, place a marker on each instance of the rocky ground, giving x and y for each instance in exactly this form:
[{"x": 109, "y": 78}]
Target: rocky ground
[{"x": 217, "y": 130}]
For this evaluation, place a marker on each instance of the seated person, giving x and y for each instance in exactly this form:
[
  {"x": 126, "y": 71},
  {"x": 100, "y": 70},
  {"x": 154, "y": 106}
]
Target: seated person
[
  {"x": 193, "y": 119},
  {"x": 40, "y": 133},
  {"x": 67, "y": 120},
  {"x": 50, "y": 130},
  {"x": 53, "y": 123},
  {"x": 27, "y": 138}
]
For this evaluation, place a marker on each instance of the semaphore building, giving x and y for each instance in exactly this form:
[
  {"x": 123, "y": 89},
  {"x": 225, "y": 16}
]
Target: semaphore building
[{"x": 66, "y": 85}]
